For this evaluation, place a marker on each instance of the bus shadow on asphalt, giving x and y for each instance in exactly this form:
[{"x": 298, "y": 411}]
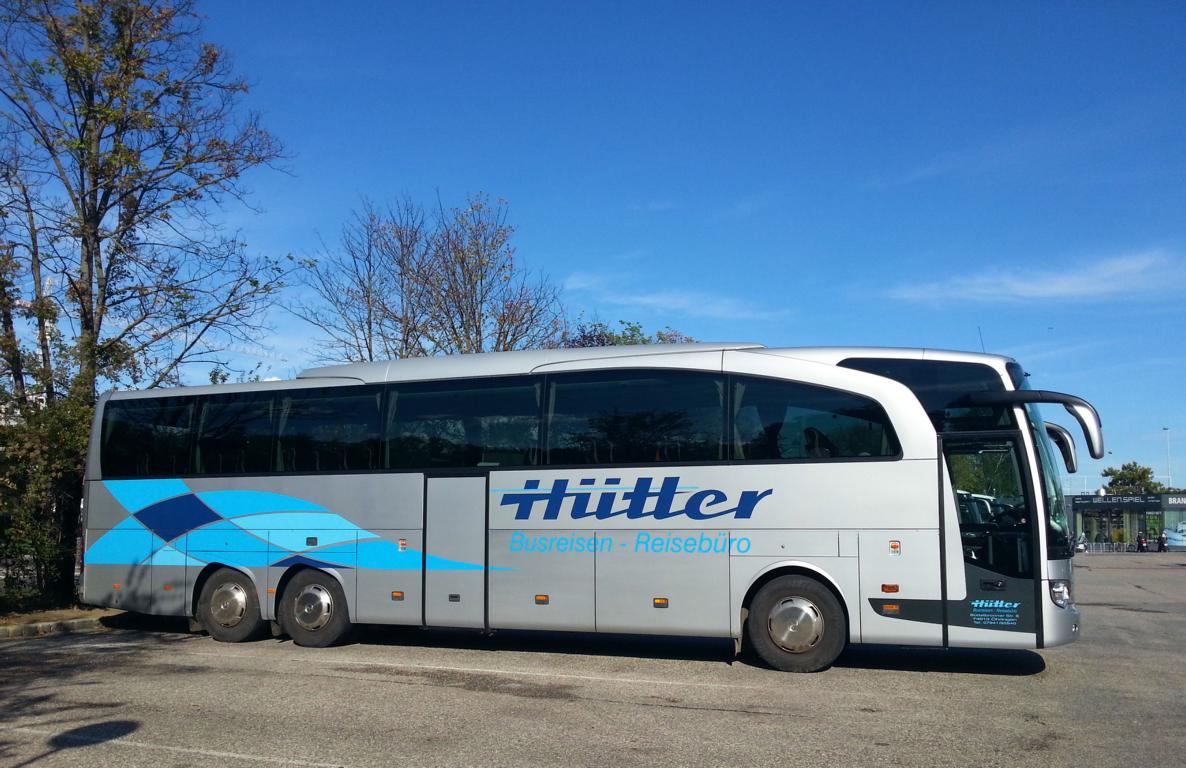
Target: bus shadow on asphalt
[
  {"x": 968, "y": 661},
  {"x": 893, "y": 658},
  {"x": 143, "y": 622},
  {"x": 976, "y": 661},
  {"x": 573, "y": 643}
]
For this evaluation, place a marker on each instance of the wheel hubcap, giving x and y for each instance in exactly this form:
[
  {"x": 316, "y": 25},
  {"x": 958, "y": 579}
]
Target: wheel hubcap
[
  {"x": 313, "y": 607},
  {"x": 796, "y": 624},
  {"x": 228, "y": 603}
]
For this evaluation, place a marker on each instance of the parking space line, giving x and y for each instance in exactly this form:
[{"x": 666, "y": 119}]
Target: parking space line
[{"x": 66, "y": 736}]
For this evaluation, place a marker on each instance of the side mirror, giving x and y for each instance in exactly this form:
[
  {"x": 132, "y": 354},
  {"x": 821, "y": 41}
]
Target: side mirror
[{"x": 1061, "y": 437}]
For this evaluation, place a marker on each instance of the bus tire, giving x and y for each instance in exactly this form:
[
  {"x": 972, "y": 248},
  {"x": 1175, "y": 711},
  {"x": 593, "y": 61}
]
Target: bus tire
[
  {"x": 313, "y": 610},
  {"x": 228, "y": 607},
  {"x": 796, "y": 624}
]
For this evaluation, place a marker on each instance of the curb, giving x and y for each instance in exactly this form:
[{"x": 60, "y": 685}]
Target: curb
[{"x": 42, "y": 628}]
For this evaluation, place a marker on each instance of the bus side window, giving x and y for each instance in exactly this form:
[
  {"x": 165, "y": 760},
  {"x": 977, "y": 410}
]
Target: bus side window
[
  {"x": 775, "y": 419},
  {"x": 466, "y": 423},
  {"x": 146, "y": 437},
  {"x": 635, "y": 417},
  {"x": 329, "y": 430},
  {"x": 235, "y": 434}
]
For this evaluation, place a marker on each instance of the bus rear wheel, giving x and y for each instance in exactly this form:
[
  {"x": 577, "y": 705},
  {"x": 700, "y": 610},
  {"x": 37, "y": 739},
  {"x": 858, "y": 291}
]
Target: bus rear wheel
[
  {"x": 796, "y": 624},
  {"x": 313, "y": 610},
  {"x": 228, "y": 607}
]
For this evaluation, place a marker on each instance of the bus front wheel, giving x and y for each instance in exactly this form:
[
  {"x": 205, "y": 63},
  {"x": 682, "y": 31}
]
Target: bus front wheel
[
  {"x": 228, "y": 607},
  {"x": 796, "y": 624},
  {"x": 313, "y": 610}
]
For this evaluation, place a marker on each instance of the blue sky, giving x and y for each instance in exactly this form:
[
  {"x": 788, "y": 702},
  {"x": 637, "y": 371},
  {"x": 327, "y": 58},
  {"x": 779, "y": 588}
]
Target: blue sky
[{"x": 795, "y": 174}]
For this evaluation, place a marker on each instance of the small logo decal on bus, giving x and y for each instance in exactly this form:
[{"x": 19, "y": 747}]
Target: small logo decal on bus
[
  {"x": 995, "y": 613},
  {"x": 669, "y": 499}
]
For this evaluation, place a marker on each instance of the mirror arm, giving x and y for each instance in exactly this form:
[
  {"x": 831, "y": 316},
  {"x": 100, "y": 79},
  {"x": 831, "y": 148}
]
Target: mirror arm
[{"x": 1083, "y": 411}]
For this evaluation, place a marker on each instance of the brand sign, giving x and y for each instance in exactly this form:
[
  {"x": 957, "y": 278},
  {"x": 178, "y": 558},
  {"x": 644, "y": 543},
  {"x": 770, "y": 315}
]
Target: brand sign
[
  {"x": 1133, "y": 501},
  {"x": 649, "y": 497}
]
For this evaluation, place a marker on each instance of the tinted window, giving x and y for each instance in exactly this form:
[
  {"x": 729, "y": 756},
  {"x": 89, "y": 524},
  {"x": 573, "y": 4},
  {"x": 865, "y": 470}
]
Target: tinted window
[
  {"x": 784, "y": 420},
  {"x": 941, "y": 386},
  {"x": 235, "y": 434},
  {"x": 635, "y": 417},
  {"x": 493, "y": 423},
  {"x": 146, "y": 438},
  {"x": 994, "y": 518},
  {"x": 329, "y": 430}
]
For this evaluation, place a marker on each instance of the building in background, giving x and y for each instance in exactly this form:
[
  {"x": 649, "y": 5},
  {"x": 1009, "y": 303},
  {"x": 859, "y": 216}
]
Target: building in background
[{"x": 1116, "y": 520}]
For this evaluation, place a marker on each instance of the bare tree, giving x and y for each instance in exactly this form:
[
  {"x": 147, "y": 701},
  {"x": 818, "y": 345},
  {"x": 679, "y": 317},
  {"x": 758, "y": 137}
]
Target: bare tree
[
  {"x": 479, "y": 299},
  {"x": 398, "y": 285},
  {"x": 364, "y": 294},
  {"x": 19, "y": 231}
]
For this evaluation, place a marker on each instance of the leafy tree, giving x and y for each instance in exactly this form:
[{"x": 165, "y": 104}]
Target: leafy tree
[
  {"x": 1131, "y": 477},
  {"x": 120, "y": 136},
  {"x": 599, "y": 334},
  {"x": 986, "y": 472}
]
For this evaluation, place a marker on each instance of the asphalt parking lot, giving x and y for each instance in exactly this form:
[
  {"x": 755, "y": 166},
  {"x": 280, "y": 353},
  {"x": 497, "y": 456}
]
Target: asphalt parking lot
[{"x": 143, "y": 693}]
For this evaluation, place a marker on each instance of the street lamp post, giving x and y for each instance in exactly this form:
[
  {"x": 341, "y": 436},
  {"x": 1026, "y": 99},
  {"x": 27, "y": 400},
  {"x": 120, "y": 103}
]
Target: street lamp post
[{"x": 1169, "y": 467}]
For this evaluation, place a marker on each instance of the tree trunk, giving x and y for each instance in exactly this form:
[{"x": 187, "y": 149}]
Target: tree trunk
[
  {"x": 40, "y": 302},
  {"x": 67, "y": 501},
  {"x": 10, "y": 345},
  {"x": 88, "y": 333}
]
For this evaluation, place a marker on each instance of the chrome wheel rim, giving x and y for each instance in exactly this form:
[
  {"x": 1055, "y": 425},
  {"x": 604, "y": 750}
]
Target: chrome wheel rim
[
  {"x": 313, "y": 607},
  {"x": 796, "y": 624},
  {"x": 228, "y": 604}
]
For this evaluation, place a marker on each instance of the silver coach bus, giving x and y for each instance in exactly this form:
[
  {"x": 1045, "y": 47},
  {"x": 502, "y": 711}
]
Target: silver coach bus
[{"x": 801, "y": 499}]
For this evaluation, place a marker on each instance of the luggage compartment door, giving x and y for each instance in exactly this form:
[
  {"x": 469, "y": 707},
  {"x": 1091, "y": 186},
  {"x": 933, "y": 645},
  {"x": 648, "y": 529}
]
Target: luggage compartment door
[{"x": 455, "y": 551}]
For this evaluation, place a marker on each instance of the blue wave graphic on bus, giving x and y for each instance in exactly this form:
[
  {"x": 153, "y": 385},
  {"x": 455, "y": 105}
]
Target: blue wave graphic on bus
[
  {"x": 669, "y": 499},
  {"x": 169, "y": 524}
]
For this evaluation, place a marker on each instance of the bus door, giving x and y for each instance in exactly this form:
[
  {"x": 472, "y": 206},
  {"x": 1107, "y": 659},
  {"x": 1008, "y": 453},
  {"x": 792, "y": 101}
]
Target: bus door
[
  {"x": 998, "y": 528},
  {"x": 455, "y": 550}
]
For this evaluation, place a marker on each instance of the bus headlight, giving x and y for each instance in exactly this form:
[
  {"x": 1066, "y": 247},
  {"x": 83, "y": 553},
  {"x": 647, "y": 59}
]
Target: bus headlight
[{"x": 1060, "y": 593}]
